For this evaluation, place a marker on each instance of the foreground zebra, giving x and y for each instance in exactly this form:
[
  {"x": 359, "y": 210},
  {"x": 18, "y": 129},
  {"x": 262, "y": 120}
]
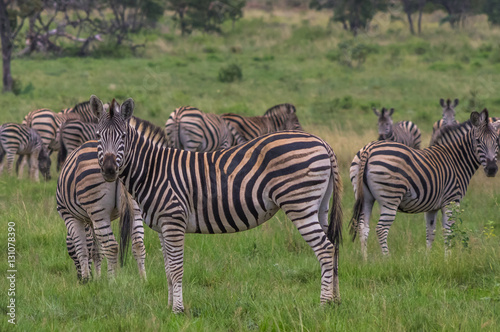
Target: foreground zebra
[
  {"x": 190, "y": 129},
  {"x": 71, "y": 135},
  {"x": 278, "y": 118},
  {"x": 22, "y": 140},
  {"x": 404, "y": 132},
  {"x": 448, "y": 118},
  {"x": 225, "y": 191},
  {"x": 414, "y": 181},
  {"x": 83, "y": 199}
]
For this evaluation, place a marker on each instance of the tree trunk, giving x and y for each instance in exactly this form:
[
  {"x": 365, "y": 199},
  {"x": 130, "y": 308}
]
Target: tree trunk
[
  {"x": 420, "y": 20},
  {"x": 5, "y": 35}
]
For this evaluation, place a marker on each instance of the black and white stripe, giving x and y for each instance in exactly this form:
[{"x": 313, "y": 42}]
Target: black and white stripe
[
  {"x": 404, "y": 132},
  {"x": 83, "y": 110},
  {"x": 71, "y": 135},
  {"x": 23, "y": 141},
  {"x": 84, "y": 199},
  {"x": 409, "y": 180},
  {"x": 448, "y": 117},
  {"x": 225, "y": 191}
]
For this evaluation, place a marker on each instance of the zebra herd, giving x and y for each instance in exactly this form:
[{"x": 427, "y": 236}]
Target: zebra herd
[{"x": 211, "y": 174}]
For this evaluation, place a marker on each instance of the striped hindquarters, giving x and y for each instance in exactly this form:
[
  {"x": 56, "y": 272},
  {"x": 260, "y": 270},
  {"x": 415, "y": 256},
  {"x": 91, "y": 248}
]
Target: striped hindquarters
[
  {"x": 19, "y": 139},
  {"x": 71, "y": 135}
]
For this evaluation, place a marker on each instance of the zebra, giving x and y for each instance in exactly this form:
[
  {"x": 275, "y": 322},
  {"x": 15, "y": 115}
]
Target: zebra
[
  {"x": 415, "y": 181},
  {"x": 190, "y": 129},
  {"x": 83, "y": 110},
  {"x": 405, "y": 132},
  {"x": 448, "y": 116},
  {"x": 88, "y": 204},
  {"x": 71, "y": 135},
  {"x": 278, "y": 118},
  {"x": 225, "y": 191},
  {"x": 22, "y": 140}
]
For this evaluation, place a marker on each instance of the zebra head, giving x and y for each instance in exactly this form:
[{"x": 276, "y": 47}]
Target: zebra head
[
  {"x": 44, "y": 163},
  {"x": 284, "y": 117},
  {"x": 448, "y": 111},
  {"x": 111, "y": 133},
  {"x": 384, "y": 122},
  {"x": 485, "y": 141}
]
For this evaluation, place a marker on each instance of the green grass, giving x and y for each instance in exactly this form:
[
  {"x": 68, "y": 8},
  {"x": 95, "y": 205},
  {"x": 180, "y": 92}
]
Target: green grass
[{"x": 268, "y": 278}]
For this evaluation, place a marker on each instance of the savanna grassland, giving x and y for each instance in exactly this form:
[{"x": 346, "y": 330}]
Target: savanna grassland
[{"x": 268, "y": 278}]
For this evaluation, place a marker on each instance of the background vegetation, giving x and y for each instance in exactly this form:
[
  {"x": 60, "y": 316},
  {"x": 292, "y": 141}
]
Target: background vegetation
[{"x": 267, "y": 278}]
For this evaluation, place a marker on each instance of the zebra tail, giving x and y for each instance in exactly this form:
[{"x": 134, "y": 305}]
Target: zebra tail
[
  {"x": 63, "y": 152},
  {"x": 334, "y": 232},
  {"x": 126, "y": 215},
  {"x": 358, "y": 205}
]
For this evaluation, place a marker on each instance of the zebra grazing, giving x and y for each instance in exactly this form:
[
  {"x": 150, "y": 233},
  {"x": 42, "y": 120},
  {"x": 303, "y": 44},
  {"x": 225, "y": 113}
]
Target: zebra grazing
[
  {"x": 22, "y": 140},
  {"x": 83, "y": 199},
  {"x": 225, "y": 191},
  {"x": 190, "y": 129},
  {"x": 405, "y": 132},
  {"x": 278, "y": 118},
  {"x": 414, "y": 181},
  {"x": 448, "y": 116},
  {"x": 83, "y": 110},
  {"x": 71, "y": 135}
]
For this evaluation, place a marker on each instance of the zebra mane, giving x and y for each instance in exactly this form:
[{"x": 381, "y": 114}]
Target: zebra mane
[
  {"x": 149, "y": 131},
  {"x": 85, "y": 104},
  {"x": 281, "y": 109},
  {"x": 453, "y": 131}
]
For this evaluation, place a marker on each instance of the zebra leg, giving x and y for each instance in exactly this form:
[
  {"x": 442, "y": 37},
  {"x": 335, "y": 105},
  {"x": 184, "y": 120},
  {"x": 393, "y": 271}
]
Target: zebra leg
[
  {"x": 70, "y": 245},
  {"x": 447, "y": 222},
  {"x": 313, "y": 234},
  {"x": 34, "y": 167},
  {"x": 107, "y": 241},
  {"x": 138, "y": 248},
  {"x": 93, "y": 250},
  {"x": 21, "y": 162},
  {"x": 10, "y": 161},
  {"x": 430, "y": 218},
  {"x": 387, "y": 215},
  {"x": 76, "y": 231},
  {"x": 165, "y": 258},
  {"x": 173, "y": 242}
]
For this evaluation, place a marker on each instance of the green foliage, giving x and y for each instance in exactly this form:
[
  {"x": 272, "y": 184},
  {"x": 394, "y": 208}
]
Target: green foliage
[
  {"x": 489, "y": 230},
  {"x": 492, "y": 9},
  {"x": 459, "y": 235},
  {"x": 230, "y": 73},
  {"x": 352, "y": 53}
]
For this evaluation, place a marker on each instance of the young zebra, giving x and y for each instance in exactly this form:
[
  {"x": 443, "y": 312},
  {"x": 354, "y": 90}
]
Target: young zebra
[
  {"x": 83, "y": 110},
  {"x": 415, "y": 181},
  {"x": 225, "y": 191},
  {"x": 190, "y": 129},
  {"x": 71, "y": 135},
  {"x": 278, "y": 118},
  {"x": 448, "y": 116},
  {"x": 405, "y": 132},
  {"x": 83, "y": 199},
  {"x": 22, "y": 140}
]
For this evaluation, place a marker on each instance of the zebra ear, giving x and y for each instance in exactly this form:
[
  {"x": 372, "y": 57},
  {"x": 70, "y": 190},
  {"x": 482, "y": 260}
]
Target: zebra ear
[
  {"x": 496, "y": 126},
  {"x": 475, "y": 119},
  {"x": 96, "y": 106},
  {"x": 441, "y": 102},
  {"x": 377, "y": 113},
  {"x": 391, "y": 111},
  {"x": 455, "y": 103},
  {"x": 484, "y": 116},
  {"x": 127, "y": 108}
]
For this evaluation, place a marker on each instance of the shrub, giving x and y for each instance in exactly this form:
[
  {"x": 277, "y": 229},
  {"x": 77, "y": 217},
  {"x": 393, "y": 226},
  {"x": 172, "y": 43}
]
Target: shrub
[{"x": 230, "y": 73}]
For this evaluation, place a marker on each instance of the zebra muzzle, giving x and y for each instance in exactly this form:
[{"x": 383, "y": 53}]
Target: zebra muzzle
[
  {"x": 109, "y": 168},
  {"x": 491, "y": 168}
]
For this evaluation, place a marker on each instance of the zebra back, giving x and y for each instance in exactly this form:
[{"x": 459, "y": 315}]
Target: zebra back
[
  {"x": 71, "y": 135},
  {"x": 83, "y": 110}
]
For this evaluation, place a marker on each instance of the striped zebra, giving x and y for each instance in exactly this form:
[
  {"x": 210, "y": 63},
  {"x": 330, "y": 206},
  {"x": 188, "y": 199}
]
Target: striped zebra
[
  {"x": 278, "y": 118},
  {"x": 415, "y": 181},
  {"x": 22, "y": 140},
  {"x": 225, "y": 191},
  {"x": 88, "y": 204},
  {"x": 190, "y": 129},
  {"x": 448, "y": 116},
  {"x": 405, "y": 132},
  {"x": 83, "y": 110},
  {"x": 71, "y": 135}
]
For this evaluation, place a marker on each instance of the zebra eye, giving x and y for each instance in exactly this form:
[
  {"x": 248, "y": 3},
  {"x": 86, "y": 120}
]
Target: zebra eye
[
  {"x": 98, "y": 135},
  {"x": 123, "y": 135}
]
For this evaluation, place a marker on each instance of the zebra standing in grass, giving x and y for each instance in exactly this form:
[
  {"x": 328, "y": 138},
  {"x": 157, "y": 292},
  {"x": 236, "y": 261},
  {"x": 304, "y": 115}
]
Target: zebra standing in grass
[
  {"x": 278, "y": 118},
  {"x": 84, "y": 199},
  {"x": 71, "y": 135},
  {"x": 448, "y": 118},
  {"x": 405, "y": 132},
  {"x": 22, "y": 140},
  {"x": 414, "y": 181},
  {"x": 225, "y": 191},
  {"x": 190, "y": 129}
]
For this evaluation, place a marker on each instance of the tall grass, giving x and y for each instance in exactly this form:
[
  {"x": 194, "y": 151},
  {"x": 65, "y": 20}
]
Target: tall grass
[{"x": 268, "y": 278}]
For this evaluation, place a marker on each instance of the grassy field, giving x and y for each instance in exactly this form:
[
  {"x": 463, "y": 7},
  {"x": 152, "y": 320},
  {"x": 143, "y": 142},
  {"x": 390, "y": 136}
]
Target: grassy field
[{"x": 268, "y": 278}]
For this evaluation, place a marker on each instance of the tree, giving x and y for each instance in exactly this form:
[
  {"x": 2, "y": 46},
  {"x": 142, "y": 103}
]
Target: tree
[
  {"x": 410, "y": 7},
  {"x": 492, "y": 9},
  {"x": 353, "y": 14},
  {"x": 457, "y": 10}
]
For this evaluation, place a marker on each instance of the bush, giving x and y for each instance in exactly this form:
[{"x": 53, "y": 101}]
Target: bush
[
  {"x": 230, "y": 73},
  {"x": 352, "y": 53}
]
